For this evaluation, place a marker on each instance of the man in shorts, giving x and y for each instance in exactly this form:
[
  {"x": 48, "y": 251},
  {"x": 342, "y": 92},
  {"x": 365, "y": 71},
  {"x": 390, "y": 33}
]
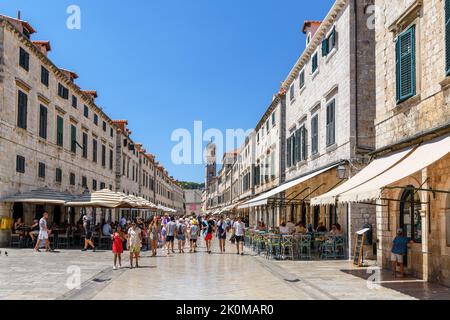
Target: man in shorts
[
  {"x": 134, "y": 243},
  {"x": 399, "y": 250},
  {"x": 43, "y": 233},
  {"x": 239, "y": 232},
  {"x": 193, "y": 235},
  {"x": 87, "y": 226},
  {"x": 170, "y": 239}
]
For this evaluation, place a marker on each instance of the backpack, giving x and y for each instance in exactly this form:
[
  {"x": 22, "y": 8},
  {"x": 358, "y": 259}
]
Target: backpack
[{"x": 180, "y": 229}]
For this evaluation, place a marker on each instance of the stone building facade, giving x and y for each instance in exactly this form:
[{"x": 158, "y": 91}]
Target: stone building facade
[
  {"x": 53, "y": 134},
  {"x": 413, "y": 68}
]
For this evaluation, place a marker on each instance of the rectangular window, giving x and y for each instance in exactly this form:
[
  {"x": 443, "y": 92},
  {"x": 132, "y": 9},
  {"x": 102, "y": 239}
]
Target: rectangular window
[
  {"x": 22, "y": 110},
  {"x": 73, "y": 139},
  {"x": 302, "y": 79},
  {"x": 315, "y": 62},
  {"x": 94, "y": 184},
  {"x": 59, "y": 131},
  {"x": 72, "y": 179},
  {"x": 273, "y": 119},
  {"x": 272, "y": 165},
  {"x": 289, "y": 152},
  {"x": 329, "y": 43},
  {"x": 315, "y": 134},
  {"x": 41, "y": 170},
  {"x": 304, "y": 139},
  {"x": 24, "y": 59},
  {"x": 43, "y": 122},
  {"x": 74, "y": 102},
  {"x": 331, "y": 127},
  {"x": 103, "y": 156},
  {"x": 94, "y": 150},
  {"x": 84, "y": 182},
  {"x": 111, "y": 132},
  {"x": 104, "y": 126},
  {"x": 95, "y": 119},
  {"x": 102, "y": 185},
  {"x": 298, "y": 145},
  {"x": 20, "y": 164},
  {"x": 85, "y": 145},
  {"x": 44, "y": 76},
  {"x": 58, "y": 175},
  {"x": 447, "y": 37},
  {"x": 86, "y": 111},
  {"x": 406, "y": 65},
  {"x": 63, "y": 92},
  {"x": 292, "y": 92},
  {"x": 111, "y": 159}
]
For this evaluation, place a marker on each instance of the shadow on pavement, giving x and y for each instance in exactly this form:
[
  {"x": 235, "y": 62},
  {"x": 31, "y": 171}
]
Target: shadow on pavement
[{"x": 408, "y": 285}]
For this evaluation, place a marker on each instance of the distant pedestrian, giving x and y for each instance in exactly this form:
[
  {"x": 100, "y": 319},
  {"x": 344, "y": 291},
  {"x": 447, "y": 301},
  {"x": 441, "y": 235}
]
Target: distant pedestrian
[
  {"x": 87, "y": 225},
  {"x": 222, "y": 233},
  {"x": 194, "y": 230},
  {"x": 239, "y": 232},
  {"x": 181, "y": 235},
  {"x": 207, "y": 229},
  {"x": 43, "y": 233},
  {"x": 117, "y": 247},
  {"x": 134, "y": 243},
  {"x": 154, "y": 234},
  {"x": 399, "y": 250},
  {"x": 171, "y": 226}
]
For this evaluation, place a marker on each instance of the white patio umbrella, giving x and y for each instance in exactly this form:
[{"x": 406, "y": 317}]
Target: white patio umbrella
[
  {"x": 40, "y": 196},
  {"x": 100, "y": 199}
]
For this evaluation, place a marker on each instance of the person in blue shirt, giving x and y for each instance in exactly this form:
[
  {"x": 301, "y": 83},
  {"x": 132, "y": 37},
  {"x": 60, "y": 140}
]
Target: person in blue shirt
[{"x": 399, "y": 250}]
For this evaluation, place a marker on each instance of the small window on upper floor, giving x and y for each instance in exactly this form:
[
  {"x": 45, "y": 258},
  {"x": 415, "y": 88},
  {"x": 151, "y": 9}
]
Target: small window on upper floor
[
  {"x": 329, "y": 43},
  {"x": 95, "y": 119},
  {"x": 44, "y": 76},
  {"x": 86, "y": 111},
  {"x": 292, "y": 92},
  {"x": 63, "y": 92},
  {"x": 273, "y": 119},
  {"x": 302, "y": 79},
  {"x": 24, "y": 59},
  {"x": 314, "y": 63}
]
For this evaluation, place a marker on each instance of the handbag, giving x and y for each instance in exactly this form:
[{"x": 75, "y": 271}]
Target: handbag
[{"x": 233, "y": 239}]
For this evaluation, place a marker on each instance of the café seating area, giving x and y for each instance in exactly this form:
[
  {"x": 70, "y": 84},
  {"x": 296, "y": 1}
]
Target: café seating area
[{"x": 307, "y": 246}]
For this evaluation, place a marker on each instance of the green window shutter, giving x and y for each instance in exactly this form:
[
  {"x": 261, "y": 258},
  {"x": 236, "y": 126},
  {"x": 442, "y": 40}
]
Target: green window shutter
[
  {"x": 288, "y": 156},
  {"x": 73, "y": 139},
  {"x": 406, "y": 65},
  {"x": 22, "y": 110},
  {"x": 447, "y": 37},
  {"x": 59, "y": 131},
  {"x": 324, "y": 47}
]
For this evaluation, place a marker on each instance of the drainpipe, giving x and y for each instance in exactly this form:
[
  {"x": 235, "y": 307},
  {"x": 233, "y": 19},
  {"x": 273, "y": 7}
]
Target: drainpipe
[{"x": 355, "y": 11}]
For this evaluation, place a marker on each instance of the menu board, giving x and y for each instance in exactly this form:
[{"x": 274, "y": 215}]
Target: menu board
[{"x": 359, "y": 245}]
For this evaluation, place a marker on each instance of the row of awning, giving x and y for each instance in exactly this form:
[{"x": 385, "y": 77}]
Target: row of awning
[
  {"x": 369, "y": 183},
  {"x": 97, "y": 199}
]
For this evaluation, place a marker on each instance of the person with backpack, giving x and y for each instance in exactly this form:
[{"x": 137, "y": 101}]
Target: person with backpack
[
  {"x": 222, "y": 233},
  {"x": 181, "y": 236},
  {"x": 207, "y": 229},
  {"x": 193, "y": 235},
  {"x": 170, "y": 238}
]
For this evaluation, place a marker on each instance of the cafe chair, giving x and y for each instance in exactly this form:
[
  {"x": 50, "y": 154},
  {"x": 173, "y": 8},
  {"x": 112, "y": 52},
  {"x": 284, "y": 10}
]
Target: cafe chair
[
  {"x": 339, "y": 247},
  {"x": 327, "y": 249},
  {"x": 304, "y": 246},
  {"x": 287, "y": 245},
  {"x": 16, "y": 240}
]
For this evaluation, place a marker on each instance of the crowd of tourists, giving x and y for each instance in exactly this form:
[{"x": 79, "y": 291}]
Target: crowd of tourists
[{"x": 164, "y": 233}]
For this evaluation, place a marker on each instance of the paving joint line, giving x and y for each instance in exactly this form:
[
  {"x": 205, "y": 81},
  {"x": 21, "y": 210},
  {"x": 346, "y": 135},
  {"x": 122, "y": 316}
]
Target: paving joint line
[
  {"x": 90, "y": 288},
  {"x": 288, "y": 278}
]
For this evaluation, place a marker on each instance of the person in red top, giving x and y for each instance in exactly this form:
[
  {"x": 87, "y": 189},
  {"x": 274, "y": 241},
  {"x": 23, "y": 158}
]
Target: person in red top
[{"x": 117, "y": 247}]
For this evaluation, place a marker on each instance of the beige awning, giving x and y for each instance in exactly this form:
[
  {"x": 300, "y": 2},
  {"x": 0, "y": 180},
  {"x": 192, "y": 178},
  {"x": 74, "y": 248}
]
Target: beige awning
[
  {"x": 374, "y": 169},
  {"x": 40, "y": 196},
  {"x": 423, "y": 156},
  {"x": 264, "y": 198},
  {"x": 100, "y": 199}
]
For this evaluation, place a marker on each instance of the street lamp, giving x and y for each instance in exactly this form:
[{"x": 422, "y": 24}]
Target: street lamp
[{"x": 341, "y": 171}]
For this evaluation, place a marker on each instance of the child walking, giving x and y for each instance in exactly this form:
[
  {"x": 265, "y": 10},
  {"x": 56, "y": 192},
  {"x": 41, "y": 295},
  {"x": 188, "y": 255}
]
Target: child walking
[{"x": 117, "y": 247}]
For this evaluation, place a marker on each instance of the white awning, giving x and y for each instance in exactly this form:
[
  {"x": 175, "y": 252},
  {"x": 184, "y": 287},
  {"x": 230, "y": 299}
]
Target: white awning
[
  {"x": 374, "y": 169},
  {"x": 100, "y": 199},
  {"x": 40, "y": 196},
  {"x": 263, "y": 199},
  {"x": 423, "y": 156}
]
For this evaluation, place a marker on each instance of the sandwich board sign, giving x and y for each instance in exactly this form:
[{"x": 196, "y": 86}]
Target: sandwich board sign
[{"x": 358, "y": 259}]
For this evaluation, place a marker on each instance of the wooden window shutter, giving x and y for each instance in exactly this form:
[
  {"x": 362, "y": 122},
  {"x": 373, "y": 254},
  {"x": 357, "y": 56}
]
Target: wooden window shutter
[{"x": 406, "y": 65}]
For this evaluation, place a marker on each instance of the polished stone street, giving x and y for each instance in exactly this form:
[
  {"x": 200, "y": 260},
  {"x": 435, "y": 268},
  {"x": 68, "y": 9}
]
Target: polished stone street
[{"x": 199, "y": 276}]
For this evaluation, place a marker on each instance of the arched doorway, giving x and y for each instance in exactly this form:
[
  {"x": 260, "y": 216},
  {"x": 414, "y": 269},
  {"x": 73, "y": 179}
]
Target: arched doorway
[
  {"x": 410, "y": 218},
  {"x": 18, "y": 211}
]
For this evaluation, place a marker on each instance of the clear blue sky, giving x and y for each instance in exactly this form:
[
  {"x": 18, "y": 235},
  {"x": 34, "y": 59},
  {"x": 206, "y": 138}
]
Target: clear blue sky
[{"x": 164, "y": 64}]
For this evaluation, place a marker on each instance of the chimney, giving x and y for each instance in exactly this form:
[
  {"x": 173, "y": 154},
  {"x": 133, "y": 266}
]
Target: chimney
[
  {"x": 19, "y": 15},
  {"x": 43, "y": 46}
]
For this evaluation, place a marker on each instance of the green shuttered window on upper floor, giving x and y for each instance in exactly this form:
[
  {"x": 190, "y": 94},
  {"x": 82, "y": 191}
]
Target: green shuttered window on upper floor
[
  {"x": 406, "y": 65},
  {"x": 447, "y": 37}
]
